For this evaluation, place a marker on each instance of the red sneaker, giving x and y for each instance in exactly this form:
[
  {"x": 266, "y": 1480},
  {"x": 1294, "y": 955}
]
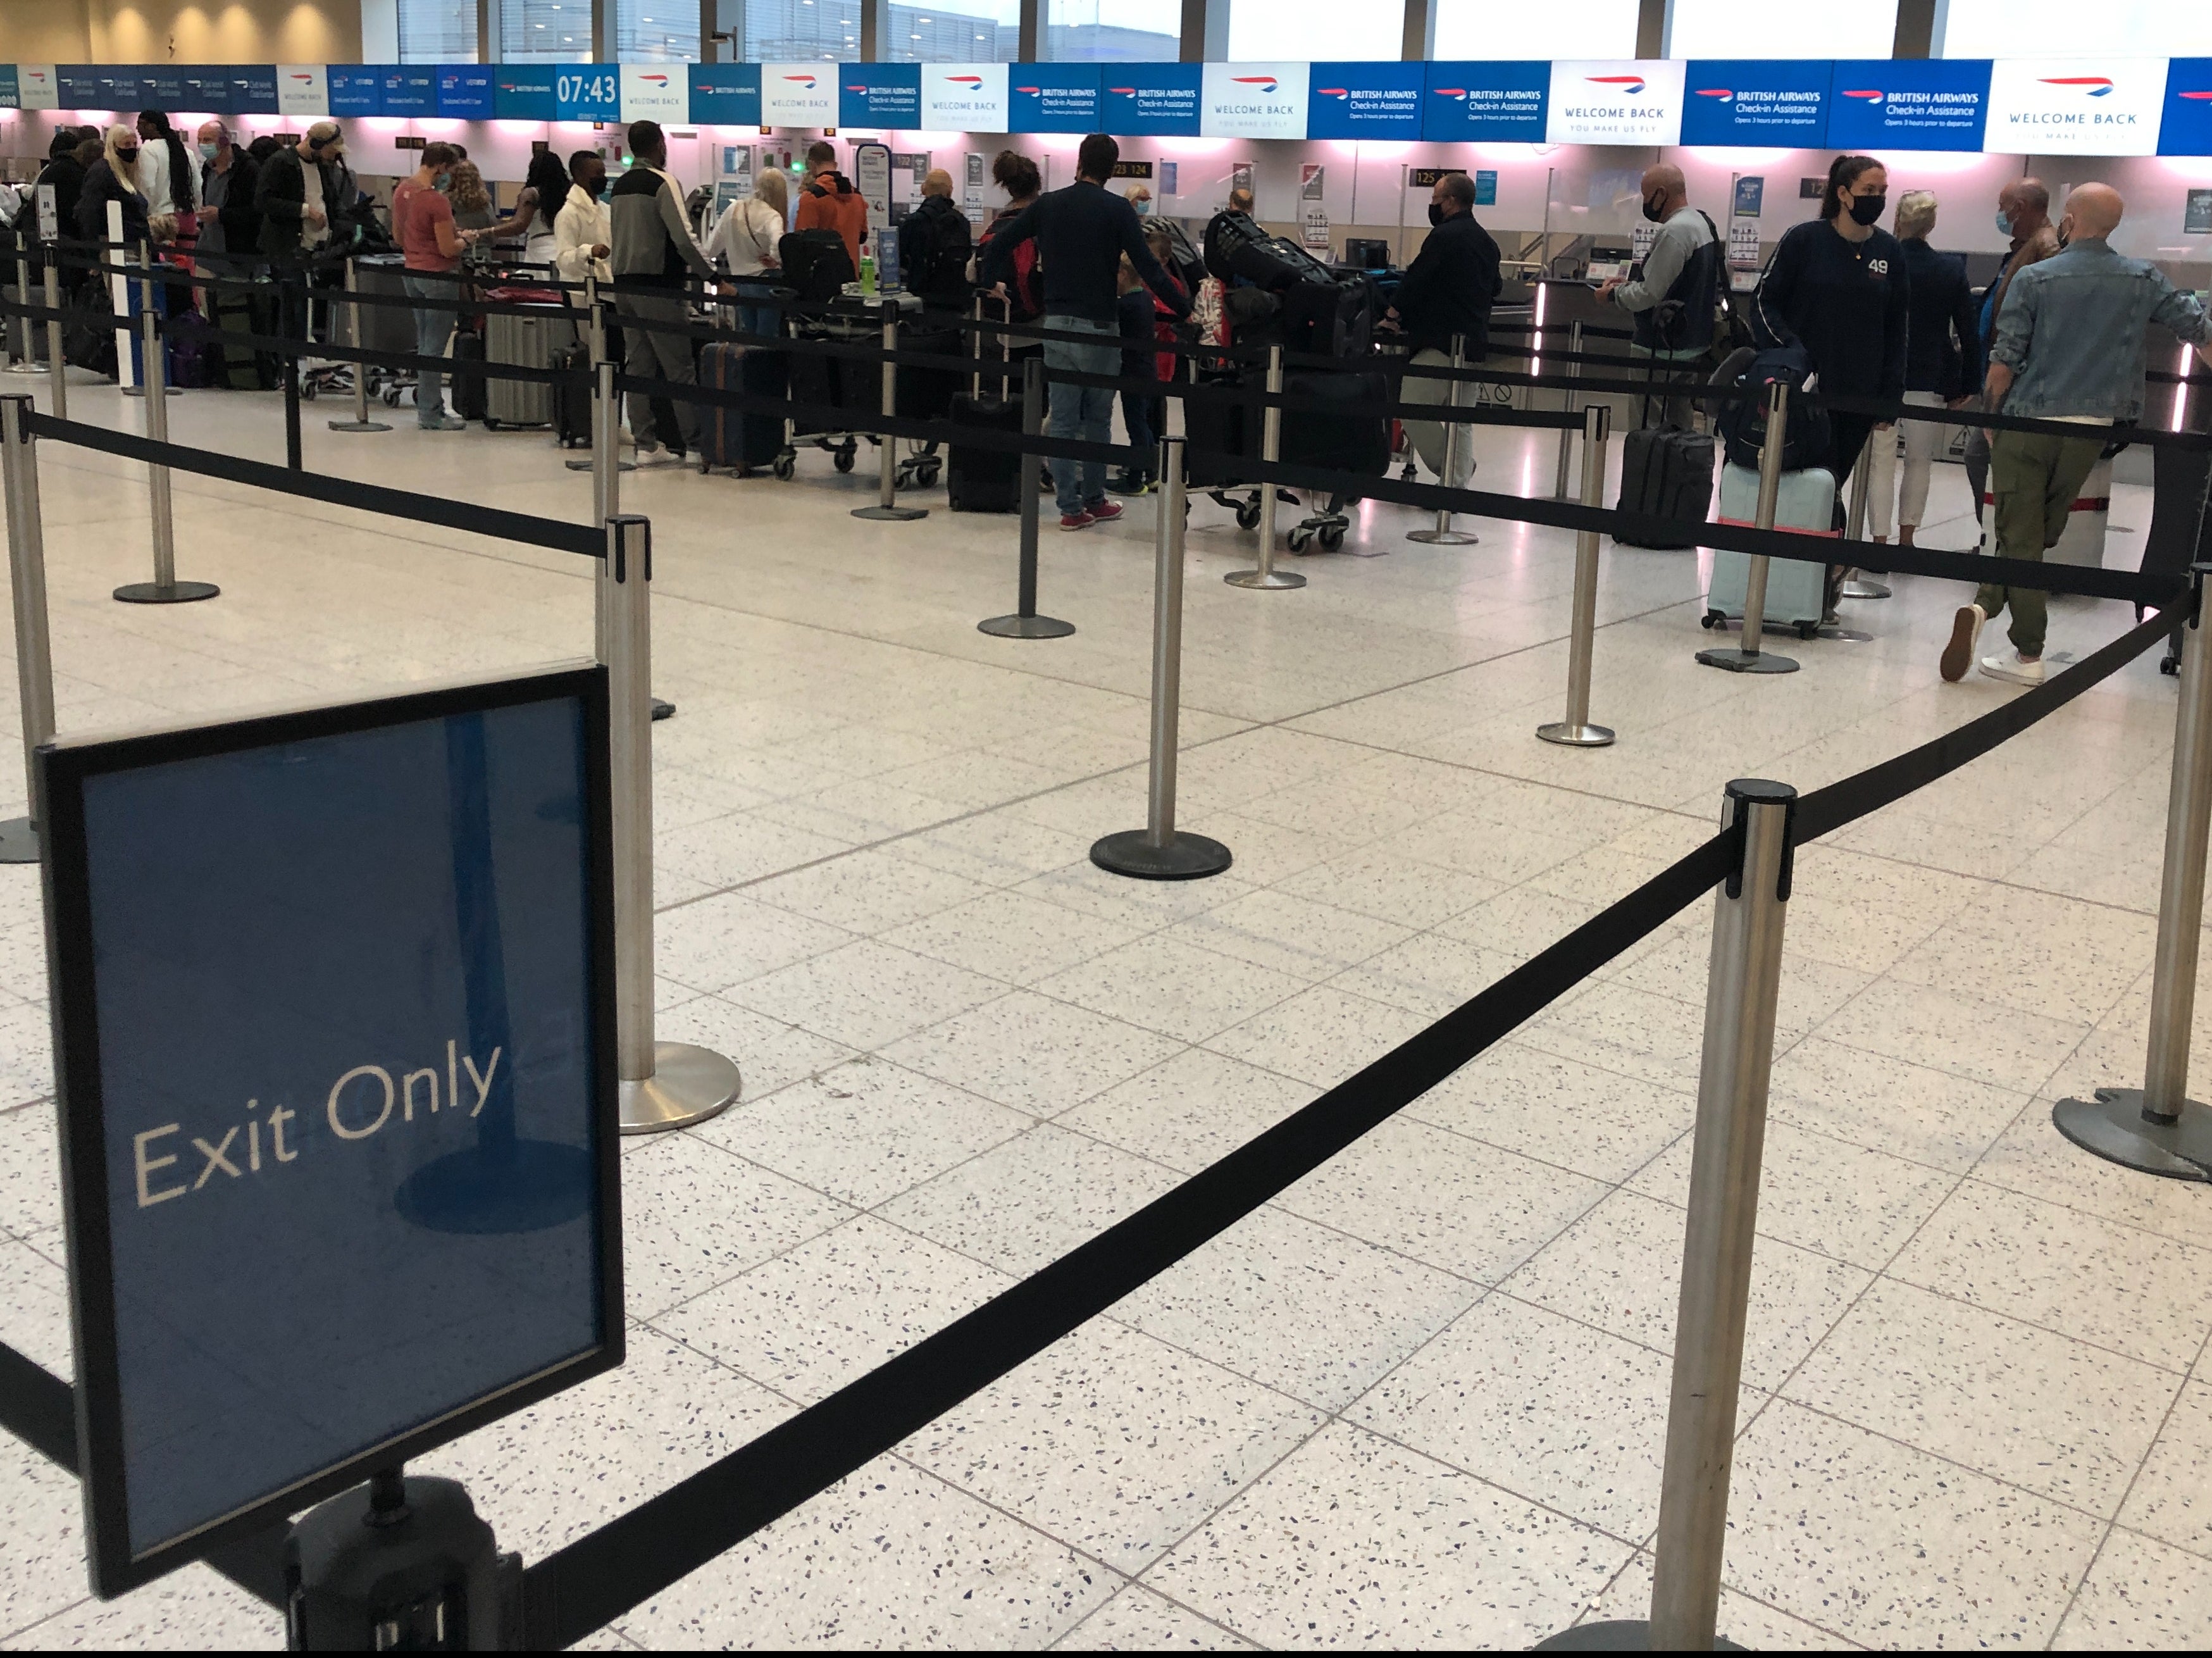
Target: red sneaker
[
  {"x": 1105, "y": 511},
  {"x": 1077, "y": 520}
]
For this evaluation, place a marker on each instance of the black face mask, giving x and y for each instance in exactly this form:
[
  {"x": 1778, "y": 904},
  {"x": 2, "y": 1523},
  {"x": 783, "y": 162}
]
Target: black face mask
[
  {"x": 1654, "y": 209},
  {"x": 1435, "y": 214},
  {"x": 128, "y": 157},
  {"x": 1865, "y": 210}
]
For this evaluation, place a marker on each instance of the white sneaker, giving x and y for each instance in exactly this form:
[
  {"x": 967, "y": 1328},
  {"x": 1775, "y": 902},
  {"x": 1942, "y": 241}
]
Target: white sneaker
[
  {"x": 652, "y": 454},
  {"x": 1966, "y": 634},
  {"x": 2015, "y": 669}
]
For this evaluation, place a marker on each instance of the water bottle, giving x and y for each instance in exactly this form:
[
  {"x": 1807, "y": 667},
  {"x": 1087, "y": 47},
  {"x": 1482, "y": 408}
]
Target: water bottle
[{"x": 867, "y": 273}]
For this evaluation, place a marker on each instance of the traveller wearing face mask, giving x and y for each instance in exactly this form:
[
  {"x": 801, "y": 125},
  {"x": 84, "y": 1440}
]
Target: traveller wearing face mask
[
  {"x": 113, "y": 177},
  {"x": 1673, "y": 293},
  {"x": 1447, "y": 290},
  {"x": 1837, "y": 286},
  {"x": 2023, "y": 217},
  {"x": 230, "y": 223},
  {"x": 422, "y": 220}
]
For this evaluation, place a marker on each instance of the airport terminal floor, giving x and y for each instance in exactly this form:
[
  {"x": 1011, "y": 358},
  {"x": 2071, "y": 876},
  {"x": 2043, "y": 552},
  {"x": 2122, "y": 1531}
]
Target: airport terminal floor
[{"x": 1419, "y": 1401}]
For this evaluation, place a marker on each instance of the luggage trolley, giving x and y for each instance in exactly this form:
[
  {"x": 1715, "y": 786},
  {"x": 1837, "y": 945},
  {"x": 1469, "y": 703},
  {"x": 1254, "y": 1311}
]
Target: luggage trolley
[{"x": 844, "y": 382}]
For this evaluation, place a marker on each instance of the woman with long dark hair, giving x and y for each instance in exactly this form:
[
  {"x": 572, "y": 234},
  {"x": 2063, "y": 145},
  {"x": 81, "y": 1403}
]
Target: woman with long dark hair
[
  {"x": 545, "y": 188},
  {"x": 167, "y": 178}
]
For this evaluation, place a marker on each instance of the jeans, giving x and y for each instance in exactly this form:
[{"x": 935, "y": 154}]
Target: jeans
[
  {"x": 1920, "y": 436},
  {"x": 1427, "y": 436},
  {"x": 434, "y": 330},
  {"x": 757, "y": 319},
  {"x": 2035, "y": 478},
  {"x": 1081, "y": 413},
  {"x": 1141, "y": 415},
  {"x": 655, "y": 356},
  {"x": 1669, "y": 402}
]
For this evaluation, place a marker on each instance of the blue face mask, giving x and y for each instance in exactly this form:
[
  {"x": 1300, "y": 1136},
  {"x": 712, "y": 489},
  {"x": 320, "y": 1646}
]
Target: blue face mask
[
  {"x": 2004, "y": 223},
  {"x": 209, "y": 152},
  {"x": 443, "y": 185}
]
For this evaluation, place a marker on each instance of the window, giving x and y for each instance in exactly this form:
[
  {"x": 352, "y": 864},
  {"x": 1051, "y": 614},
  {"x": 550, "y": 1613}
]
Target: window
[
  {"x": 1759, "y": 28},
  {"x": 656, "y": 31},
  {"x": 795, "y": 31},
  {"x": 545, "y": 31},
  {"x": 2059, "y": 29},
  {"x": 439, "y": 30},
  {"x": 1503, "y": 29},
  {"x": 1316, "y": 31},
  {"x": 965, "y": 32},
  {"x": 1115, "y": 31}
]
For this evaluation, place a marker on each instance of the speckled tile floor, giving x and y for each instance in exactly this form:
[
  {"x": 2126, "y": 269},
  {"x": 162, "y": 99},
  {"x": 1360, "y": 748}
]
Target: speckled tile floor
[{"x": 1419, "y": 1401}]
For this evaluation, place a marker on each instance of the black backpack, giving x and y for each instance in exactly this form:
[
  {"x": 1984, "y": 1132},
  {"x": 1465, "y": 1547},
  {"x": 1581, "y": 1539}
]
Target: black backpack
[
  {"x": 816, "y": 265},
  {"x": 934, "y": 246},
  {"x": 1743, "y": 420}
]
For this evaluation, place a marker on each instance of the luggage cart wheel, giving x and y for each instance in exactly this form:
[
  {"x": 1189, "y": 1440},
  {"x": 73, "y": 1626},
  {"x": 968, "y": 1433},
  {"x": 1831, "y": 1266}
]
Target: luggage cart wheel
[
  {"x": 1711, "y": 619},
  {"x": 1247, "y": 515},
  {"x": 308, "y": 390},
  {"x": 1300, "y": 539},
  {"x": 2169, "y": 664},
  {"x": 783, "y": 466},
  {"x": 842, "y": 461},
  {"x": 930, "y": 469},
  {"x": 1331, "y": 537}
]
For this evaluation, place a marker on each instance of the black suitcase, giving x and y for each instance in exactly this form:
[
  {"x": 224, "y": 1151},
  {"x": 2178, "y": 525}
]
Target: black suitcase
[
  {"x": 816, "y": 265},
  {"x": 1668, "y": 473},
  {"x": 572, "y": 396},
  {"x": 985, "y": 480},
  {"x": 2180, "y": 524},
  {"x": 470, "y": 398},
  {"x": 1215, "y": 429},
  {"x": 1350, "y": 434}
]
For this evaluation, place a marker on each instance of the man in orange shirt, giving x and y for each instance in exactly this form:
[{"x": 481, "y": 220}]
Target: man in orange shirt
[{"x": 827, "y": 201}]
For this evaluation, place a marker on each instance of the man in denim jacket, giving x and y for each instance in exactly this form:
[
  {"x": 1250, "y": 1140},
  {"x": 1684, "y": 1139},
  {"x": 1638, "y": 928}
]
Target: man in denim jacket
[{"x": 2069, "y": 346}]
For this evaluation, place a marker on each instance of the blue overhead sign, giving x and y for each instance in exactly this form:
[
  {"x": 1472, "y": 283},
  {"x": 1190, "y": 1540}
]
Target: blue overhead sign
[
  {"x": 1738, "y": 100},
  {"x": 523, "y": 92},
  {"x": 2186, "y": 127},
  {"x": 11, "y": 96},
  {"x": 1380, "y": 100},
  {"x": 587, "y": 92},
  {"x": 1502, "y": 102},
  {"x": 725, "y": 94},
  {"x": 878, "y": 94},
  {"x": 410, "y": 90},
  {"x": 1151, "y": 100},
  {"x": 205, "y": 88},
  {"x": 357, "y": 88},
  {"x": 337, "y": 1001},
  {"x": 465, "y": 91},
  {"x": 1053, "y": 98},
  {"x": 253, "y": 89},
  {"x": 85, "y": 86},
  {"x": 1908, "y": 103}
]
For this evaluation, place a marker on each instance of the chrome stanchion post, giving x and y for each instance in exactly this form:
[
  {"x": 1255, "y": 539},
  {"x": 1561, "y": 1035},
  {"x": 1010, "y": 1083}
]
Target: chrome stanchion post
[
  {"x": 663, "y": 1084},
  {"x": 360, "y": 421},
  {"x": 164, "y": 588},
  {"x": 1576, "y": 730},
  {"x": 1267, "y": 577},
  {"x": 22, "y": 335},
  {"x": 1854, "y": 585},
  {"x": 1751, "y": 658},
  {"x": 1025, "y": 622},
  {"x": 2157, "y": 1128},
  {"x": 57, "y": 364},
  {"x": 887, "y": 509},
  {"x": 1443, "y": 535},
  {"x": 27, "y": 585},
  {"x": 1159, "y": 851},
  {"x": 1567, "y": 403},
  {"x": 595, "y": 338},
  {"x": 606, "y": 486}
]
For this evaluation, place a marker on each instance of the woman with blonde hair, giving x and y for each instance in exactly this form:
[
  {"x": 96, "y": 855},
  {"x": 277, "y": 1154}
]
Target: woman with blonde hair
[
  {"x": 746, "y": 239},
  {"x": 471, "y": 201},
  {"x": 1943, "y": 367},
  {"x": 114, "y": 177}
]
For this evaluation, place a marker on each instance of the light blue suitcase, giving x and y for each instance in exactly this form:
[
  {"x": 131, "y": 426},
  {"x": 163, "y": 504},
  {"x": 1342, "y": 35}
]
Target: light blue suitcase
[{"x": 1796, "y": 589}]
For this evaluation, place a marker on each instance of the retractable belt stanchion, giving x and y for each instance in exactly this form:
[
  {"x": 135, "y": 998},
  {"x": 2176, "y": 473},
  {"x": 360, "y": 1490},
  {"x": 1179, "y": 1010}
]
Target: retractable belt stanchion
[
  {"x": 2158, "y": 1128},
  {"x": 663, "y": 1084},
  {"x": 293, "y": 316},
  {"x": 606, "y": 486},
  {"x": 1567, "y": 403},
  {"x": 1576, "y": 730},
  {"x": 360, "y": 421},
  {"x": 27, "y": 585},
  {"x": 120, "y": 283},
  {"x": 1741, "y": 991},
  {"x": 1750, "y": 658},
  {"x": 56, "y": 363},
  {"x": 887, "y": 509},
  {"x": 1857, "y": 586},
  {"x": 164, "y": 588},
  {"x": 1267, "y": 577},
  {"x": 1025, "y": 622},
  {"x": 1443, "y": 535},
  {"x": 23, "y": 337},
  {"x": 1159, "y": 851}
]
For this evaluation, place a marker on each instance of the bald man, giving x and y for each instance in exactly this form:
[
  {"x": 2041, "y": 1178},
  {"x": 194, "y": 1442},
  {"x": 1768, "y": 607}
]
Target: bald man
[
  {"x": 934, "y": 242},
  {"x": 2023, "y": 214},
  {"x": 1672, "y": 295},
  {"x": 2071, "y": 346}
]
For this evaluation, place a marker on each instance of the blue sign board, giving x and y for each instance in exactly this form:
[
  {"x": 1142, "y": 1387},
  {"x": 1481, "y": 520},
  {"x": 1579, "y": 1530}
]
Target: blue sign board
[
  {"x": 1750, "y": 196},
  {"x": 880, "y": 95},
  {"x": 587, "y": 92},
  {"x": 2186, "y": 129},
  {"x": 84, "y": 86},
  {"x": 1908, "y": 103},
  {"x": 1380, "y": 100},
  {"x": 205, "y": 88},
  {"x": 410, "y": 90},
  {"x": 1492, "y": 103},
  {"x": 336, "y": 1002},
  {"x": 1486, "y": 188},
  {"x": 465, "y": 91},
  {"x": 11, "y": 94},
  {"x": 164, "y": 89},
  {"x": 523, "y": 92},
  {"x": 252, "y": 89},
  {"x": 1052, "y": 98},
  {"x": 357, "y": 88},
  {"x": 725, "y": 94},
  {"x": 1151, "y": 100},
  {"x": 1738, "y": 100}
]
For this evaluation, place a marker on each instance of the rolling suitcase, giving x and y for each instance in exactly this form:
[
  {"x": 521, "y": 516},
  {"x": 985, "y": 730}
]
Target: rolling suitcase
[
  {"x": 524, "y": 342},
  {"x": 2180, "y": 525},
  {"x": 571, "y": 397},
  {"x": 740, "y": 438},
  {"x": 1796, "y": 588},
  {"x": 985, "y": 480},
  {"x": 465, "y": 378},
  {"x": 1668, "y": 473}
]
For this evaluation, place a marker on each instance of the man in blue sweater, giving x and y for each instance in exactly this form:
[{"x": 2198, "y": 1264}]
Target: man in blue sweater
[{"x": 1081, "y": 233}]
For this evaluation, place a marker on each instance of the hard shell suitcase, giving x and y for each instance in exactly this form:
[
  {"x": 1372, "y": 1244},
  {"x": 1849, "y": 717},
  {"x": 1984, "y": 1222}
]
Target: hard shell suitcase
[
  {"x": 572, "y": 396},
  {"x": 740, "y": 437},
  {"x": 524, "y": 342},
  {"x": 1668, "y": 473},
  {"x": 985, "y": 480},
  {"x": 1796, "y": 588},
  {"x": 196, "y": 358}
]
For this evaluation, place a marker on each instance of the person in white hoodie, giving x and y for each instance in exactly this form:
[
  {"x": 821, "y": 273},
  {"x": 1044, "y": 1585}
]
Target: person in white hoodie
[
  {"x": 581, "y": 235},
  {"x": 746, "y": 239}
]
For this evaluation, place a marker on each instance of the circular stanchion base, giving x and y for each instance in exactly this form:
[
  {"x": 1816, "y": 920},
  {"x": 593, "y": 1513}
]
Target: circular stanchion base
[
  {"x": 19, "y": 841},
  {"x": 1575, "y": 736},
  {"x": 1615, "y": 1635},
  {"x": 1836, "y": 633},
  {"x": 1444, "y": 538},
  {"x": 358, "y": 426},
  {"x": 585, "y": 467},
  {"x": 688, "y": 1084},
  {"x": 1745, "y": 662},
  {"x": 1859, "y": 587},
  {"x": 891, "y": 515},
  {"x": 1186, "y": 857},
  {"x": 177, "y": 593},
  {"x": 1266, "y": 581},
  {"x": 2112, "y": 1125},
  {"x": 27, "y": 366},
  {"x": 663, "y": 710},
  {"x": 1025, "y": 627},
  {"x": 140, "y": 391}
]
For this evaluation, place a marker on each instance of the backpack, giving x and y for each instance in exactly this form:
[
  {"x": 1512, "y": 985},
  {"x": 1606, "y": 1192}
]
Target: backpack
[
  {"x": 933, "y": 248},
  {"x": 1743, "y": 421},
  {"x": 815, "y": 265}
]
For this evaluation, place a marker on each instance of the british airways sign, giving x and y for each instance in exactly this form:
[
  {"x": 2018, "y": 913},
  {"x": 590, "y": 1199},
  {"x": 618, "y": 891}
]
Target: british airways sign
[
  {"x": 1254, "y": 100},
  {"x": 1882, "y": 103},
  {"x": 2075, "y": 106},
  {"x": 1616, "y": 103}
]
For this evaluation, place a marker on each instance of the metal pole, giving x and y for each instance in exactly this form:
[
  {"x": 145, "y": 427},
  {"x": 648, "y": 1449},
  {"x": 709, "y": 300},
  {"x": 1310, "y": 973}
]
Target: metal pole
[
  {"x": 1567, "y": 403},
  {"x": 2157, "y": 1128},
  {"x": 1443, "y": 535},
  {"x": 1576, "y": 730},
  {"x": 360, "y": 421},
  {"x": 1025, "y": 622},
  {"x": 57, "y": 364},
  {"x": 1751, "y": 658},
  {"x": 663, "y": 1084},
  {"x": 975, "y": 344},
  {"x": 1159, "y": 851},
  {"x": 292, "y": 455},
  {"x": 21, "y": 337},
  {"x": 164, "y": 588},
  {"x": 1267, "y": 577},
  {"x": 1854, "y": 585},
  {"x": 887, "y": 509},
  {"x": 27, "y": 583}
]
